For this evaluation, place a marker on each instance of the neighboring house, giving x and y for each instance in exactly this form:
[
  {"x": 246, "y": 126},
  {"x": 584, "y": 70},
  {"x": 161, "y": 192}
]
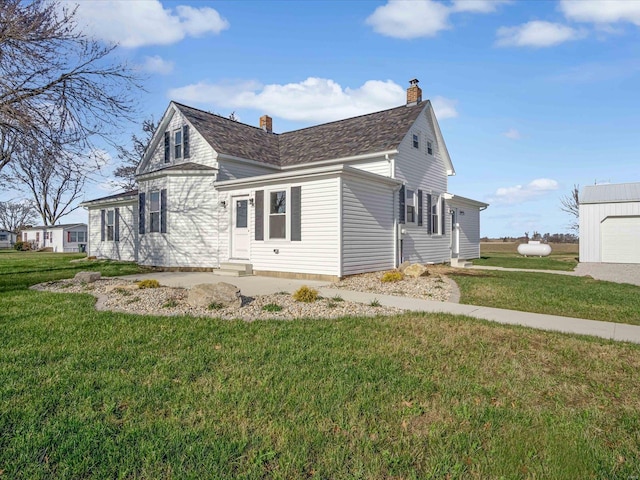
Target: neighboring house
[
  {"x": 60, "y": 238},
  {"x": 352, "y": 196},
  {"x": 610, "y": 223},
  {"x": 7, "y": 239}
]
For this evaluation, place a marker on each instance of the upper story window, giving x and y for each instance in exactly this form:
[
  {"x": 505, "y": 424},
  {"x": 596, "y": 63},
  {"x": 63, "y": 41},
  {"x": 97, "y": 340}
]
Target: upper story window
[
  {"x": 416, "y": 140},
  {"x": 278, "y": 214},
  {"x": 430, "y": 148},
  {"x": 410, "y": 206},
  {"x": 177, "y": 143},
  {"x": 154, "y": 211}
]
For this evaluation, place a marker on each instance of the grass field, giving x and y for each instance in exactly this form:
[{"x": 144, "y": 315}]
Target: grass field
[
  {"x": 564, "y": 256},
  {"x": 88, "y": 394}
]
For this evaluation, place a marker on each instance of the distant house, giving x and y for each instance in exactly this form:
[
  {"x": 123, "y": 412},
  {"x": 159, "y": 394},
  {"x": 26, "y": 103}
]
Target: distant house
[
  {"x": 7, "y": 239},
  {"x": 60, "y": 238},
  {"x": 610, "y": 223},
  {"x": 356, "y": 195}
]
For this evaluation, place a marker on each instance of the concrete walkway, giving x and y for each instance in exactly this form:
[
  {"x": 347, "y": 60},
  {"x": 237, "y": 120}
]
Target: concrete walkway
[{"x": 256, "y": 285}]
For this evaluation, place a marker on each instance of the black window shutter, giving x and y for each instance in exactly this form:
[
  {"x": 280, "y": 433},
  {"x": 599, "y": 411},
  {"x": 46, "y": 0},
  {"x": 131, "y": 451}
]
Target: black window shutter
[
  {"x": 419, "y": 208},
  {"x": 429, "y": 215},
  {"x": 185, "y": 141},
  {"x": 141, "y": 200},
  {"x": 296, "y": 219},
  {"x": 167, "y": 147},
  {"x": 116, "y": 225},
  {"x": 442, "y": 221},
  {"x": 102, "y": 222},
  {"x": 401, "y": 205},
  {"x": 163, "y": 210},
  {"x": 259, "y": 215}
]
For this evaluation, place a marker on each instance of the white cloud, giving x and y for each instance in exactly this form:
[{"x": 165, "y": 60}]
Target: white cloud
[
  {"x": 409, "y": 18},
  {"x": 602, "y": 11},
  {"x": 156, "y": 64},
  {"x": 444, "y": 107},
  {"x": 145, "y": 22},
  {"x": 536, "y": 34},
  {"x": 477, "y": 6},
  {"x": 312, "y": 100},
  {"x": 513, "y": 134},
  {"x": 519, "y": 194}
]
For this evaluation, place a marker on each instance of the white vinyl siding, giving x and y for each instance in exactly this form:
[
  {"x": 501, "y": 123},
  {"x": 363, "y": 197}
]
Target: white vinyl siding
[
  {"x": 468, "y": 217},
  {"x": 420, "y": 171},
  {"x": 367, "y": 226},
  {"x": 125, "y": 248},
  {"x": 379, "y": 166},
  {"x": 233, "y": 169},
  {"x": 592, "y": 217},
  {"x": 57, "y": 237}
]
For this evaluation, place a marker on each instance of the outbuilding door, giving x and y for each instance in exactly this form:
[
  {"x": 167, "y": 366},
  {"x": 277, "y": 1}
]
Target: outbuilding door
[
  {"x": 620, "y": 240},
  {"x": 240, "y": 227}
]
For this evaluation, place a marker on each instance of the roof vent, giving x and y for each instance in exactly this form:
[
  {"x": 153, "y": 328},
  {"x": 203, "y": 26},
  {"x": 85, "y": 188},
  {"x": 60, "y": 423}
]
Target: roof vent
[{"x": 414, "y": 92}]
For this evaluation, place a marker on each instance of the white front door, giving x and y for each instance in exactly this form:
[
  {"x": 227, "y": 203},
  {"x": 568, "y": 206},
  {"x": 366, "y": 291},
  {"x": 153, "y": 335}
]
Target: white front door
[{"x": 240, "y": 227}]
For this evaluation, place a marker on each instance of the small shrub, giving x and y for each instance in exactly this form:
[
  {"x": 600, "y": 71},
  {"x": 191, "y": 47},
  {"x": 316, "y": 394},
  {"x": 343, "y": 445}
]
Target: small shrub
[
  {"x": 123, "y": 291},
  {"x": 272, "y": 307},
  {"x": 21, "y": 246},
  {"x": 337, "y": 298},
  {"x": 171, "y": 303},
  {"x": 374, "y": 303},
  {"x": 393, "y": 276},
  {"x": 215, "y": 306},
  {"x": 305, "y": 294},
  {"x": 149, "y": 283},
  {"x": 331, "y": 304}
]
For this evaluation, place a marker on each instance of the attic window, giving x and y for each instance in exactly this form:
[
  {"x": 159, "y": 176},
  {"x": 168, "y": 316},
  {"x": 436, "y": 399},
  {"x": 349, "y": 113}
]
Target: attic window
[
  {"x": 177, "y": 137},
  {"x": 430, "y": 148},
  {"x": 416, "y": 141}
]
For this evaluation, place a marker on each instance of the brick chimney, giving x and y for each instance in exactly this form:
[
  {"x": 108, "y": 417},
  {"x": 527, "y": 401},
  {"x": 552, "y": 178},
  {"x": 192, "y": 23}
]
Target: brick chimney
[
  {"x": 414, "y": 93},
  {"x": 266, "y": 123}
]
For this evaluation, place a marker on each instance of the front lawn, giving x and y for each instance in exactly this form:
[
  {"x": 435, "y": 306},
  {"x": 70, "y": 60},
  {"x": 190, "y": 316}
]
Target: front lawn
[
  {"x": 497, "y": 254},
  {"x": 87, "y": 394},
  {"x": 581, "y": 297}
]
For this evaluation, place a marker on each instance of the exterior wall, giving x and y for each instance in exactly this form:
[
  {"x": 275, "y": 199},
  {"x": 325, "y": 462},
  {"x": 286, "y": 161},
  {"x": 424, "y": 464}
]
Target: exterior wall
[
  {"x": 316, "y": 253},
  {"x": 191, "y": 239},
  {"x": 10, "y": 241},
  {"x": 379, "y": 166},
  {"x": 469, "y": 228},
  {"x": 199, "y": 150},
  {"x": 367, "y": 226},
  {"x": 428, "y": 173},
  {"x": 57, "y": 240},
  {"x": 125, "y": 249},
  {"x": 232, "y": 170},
  {"x": 591, "y": 216},
  {"x": 71, "y": 246}
]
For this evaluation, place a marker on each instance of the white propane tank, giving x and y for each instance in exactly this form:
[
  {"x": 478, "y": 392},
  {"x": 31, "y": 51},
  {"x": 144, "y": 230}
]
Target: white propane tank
[{"x": 534, "y": 249}]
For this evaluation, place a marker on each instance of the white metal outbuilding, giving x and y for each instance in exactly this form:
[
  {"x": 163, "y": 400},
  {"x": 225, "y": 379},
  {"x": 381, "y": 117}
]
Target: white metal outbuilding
[{"x": 610, "y": 223}]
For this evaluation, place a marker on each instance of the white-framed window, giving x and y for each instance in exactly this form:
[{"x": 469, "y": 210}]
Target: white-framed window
[
  {"x": 278, "y": 214},
  {"x": 436, "y": 208},
  {"x": 429, "y": 147},
  {"x": 75, "y": 237},
  {"x": 410, "y": 205},
  {"x": 416, "y": 140},
  {"x": 109, "y": 224},
  {"x": 3, "y": 237},
  {"x": 154, "y": 211},
  {"x": 177, "y": 143}
]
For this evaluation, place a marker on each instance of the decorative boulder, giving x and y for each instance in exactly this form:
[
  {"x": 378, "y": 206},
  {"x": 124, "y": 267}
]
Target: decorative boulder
[
  {"x": 403, "y": 266},
  {"x": 416, "y": 270},
  {"x": 87, "y": 277},
  {"x": 205, "y": 294}
]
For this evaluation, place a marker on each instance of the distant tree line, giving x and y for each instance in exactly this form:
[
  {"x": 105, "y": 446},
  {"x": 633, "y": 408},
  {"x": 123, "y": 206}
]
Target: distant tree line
[{"x": 546, "y": 238}]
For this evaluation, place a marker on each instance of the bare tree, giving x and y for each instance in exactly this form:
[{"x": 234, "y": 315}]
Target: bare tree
[
  {"x": 57, "y": 86},
  {"x": 130, "y": 157},
  {"x": 571, "y": 204},
  {"x": 14, "y": 215}
]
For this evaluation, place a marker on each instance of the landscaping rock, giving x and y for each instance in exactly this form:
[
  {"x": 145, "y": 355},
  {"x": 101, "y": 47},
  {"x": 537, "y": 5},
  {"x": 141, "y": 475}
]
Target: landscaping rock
[
  {"x": 87, "y": 277},
  {"x": 206, "y": 294},
  {"x": 403, "y": 266},
  {"x": 416, "y": 270}
]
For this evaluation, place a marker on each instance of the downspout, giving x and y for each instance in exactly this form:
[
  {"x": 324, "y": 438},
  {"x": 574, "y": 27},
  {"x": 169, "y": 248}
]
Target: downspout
[{"x": 340, "y": 229}]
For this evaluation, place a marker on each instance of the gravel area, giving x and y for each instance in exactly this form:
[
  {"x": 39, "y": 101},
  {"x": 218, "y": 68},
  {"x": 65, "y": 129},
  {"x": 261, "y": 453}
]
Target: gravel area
[
  {"x": 432, "y": 287},
  {"x": 124, "y": 296}
]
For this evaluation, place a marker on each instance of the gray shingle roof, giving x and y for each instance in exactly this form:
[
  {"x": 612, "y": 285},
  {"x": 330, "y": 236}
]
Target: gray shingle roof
[
  {"x": 374, "y": 132},
  {"x": 616, "y": 192},
  {"x": 117, "y": 196},
  {"x": 64, "y": 225},
  {"x": 183, "y": 166}
]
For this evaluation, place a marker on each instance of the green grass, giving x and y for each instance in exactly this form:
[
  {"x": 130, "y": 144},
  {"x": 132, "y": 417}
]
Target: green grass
[
  {"x": 581, "y": 297},
  {"x": 87, "y": 394},
  {"x": 563, "y": 257}
]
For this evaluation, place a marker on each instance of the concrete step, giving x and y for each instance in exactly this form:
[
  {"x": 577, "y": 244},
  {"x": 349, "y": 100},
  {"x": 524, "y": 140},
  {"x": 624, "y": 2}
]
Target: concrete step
[
  {"x": 460, "y": 263},
  {"x": 231, "y": 269}
]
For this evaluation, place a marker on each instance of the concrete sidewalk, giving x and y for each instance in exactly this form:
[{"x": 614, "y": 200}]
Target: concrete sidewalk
[{"x": 257, "y": 285}]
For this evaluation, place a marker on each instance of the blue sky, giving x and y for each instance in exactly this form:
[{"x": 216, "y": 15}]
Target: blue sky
[{"x": 532, "y": 96}]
